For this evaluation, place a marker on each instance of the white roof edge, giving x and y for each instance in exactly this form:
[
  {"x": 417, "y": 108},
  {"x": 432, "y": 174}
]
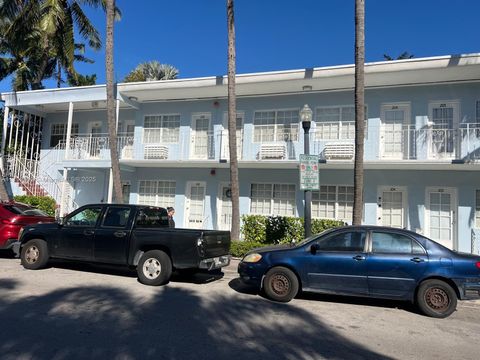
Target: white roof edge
[{"x": 296, "y": 74}]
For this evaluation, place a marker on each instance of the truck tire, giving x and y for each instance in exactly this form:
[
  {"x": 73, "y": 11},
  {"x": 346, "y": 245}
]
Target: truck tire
[
  {"x": 154, "y": 268},
  {"x": 34, "y": 254},
  {"x": 435, "y": 298},
  {"x": 280, "y": 284}
]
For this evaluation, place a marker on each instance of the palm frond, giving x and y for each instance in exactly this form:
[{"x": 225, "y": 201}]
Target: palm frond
[{"x": 85, "y": 27}]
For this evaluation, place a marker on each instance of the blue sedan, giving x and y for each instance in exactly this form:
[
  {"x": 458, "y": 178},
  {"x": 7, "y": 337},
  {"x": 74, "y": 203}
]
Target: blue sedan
[{"x": 367, "y": 261}]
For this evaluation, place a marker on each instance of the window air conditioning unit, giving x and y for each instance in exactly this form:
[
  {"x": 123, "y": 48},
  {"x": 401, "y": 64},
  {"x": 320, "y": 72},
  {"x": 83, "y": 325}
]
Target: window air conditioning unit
[
  {"x": 339, "y": 151},
  {"x": 155, "y": 152},
  {"x": 272, "y": 152}
]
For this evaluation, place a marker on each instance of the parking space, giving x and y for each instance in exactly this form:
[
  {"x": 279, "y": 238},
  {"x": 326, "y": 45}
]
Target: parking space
[{"x": 84, "y": 311}]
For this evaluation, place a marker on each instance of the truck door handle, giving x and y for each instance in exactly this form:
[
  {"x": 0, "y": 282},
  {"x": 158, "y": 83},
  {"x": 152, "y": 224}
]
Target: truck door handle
[
  {"x": 119, "y": 234},
  {"x": 359, "y": 257},
  {"x": 417, "y": 260},
  {"x": 88, "y": 232}
]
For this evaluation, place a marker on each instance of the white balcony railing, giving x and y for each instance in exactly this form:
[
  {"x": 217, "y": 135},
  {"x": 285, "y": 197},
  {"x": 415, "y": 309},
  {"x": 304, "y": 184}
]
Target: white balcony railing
[
  {"x": 97, "y": 147},
  {"x": 272, "y": 142}
]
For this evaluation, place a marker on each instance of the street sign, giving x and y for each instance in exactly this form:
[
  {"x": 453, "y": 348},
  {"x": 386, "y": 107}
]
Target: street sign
[{"x": 309, "y": 179}]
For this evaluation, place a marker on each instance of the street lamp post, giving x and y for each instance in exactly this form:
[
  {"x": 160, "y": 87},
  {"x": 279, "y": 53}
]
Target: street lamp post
[{"x": 306, "y": 117}]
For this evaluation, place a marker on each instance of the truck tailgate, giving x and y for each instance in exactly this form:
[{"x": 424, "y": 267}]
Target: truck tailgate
[{"x": 215, "y": 243}]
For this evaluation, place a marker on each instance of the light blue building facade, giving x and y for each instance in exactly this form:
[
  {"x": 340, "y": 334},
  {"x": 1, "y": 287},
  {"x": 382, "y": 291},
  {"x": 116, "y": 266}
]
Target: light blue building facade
[{"x": 422, "y": 145}]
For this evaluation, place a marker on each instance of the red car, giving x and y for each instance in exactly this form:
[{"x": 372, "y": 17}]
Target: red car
[{"x": 13, "y": 216}]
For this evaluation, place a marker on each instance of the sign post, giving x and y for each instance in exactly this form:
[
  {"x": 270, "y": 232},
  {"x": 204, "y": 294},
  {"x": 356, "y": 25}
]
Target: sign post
[{"x": 309, "y": 177}]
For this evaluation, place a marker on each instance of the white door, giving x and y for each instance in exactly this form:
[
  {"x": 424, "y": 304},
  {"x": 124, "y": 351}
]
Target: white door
[
  {"x": 441, "y": 134},
  {"x": 126, "y": 132},
  {"x": 200, "y": 142},
  {"x": 95, "y": 141},
  {"x": 441, "y": 215},
  {"x": 225, "y": 153},
  {"x": 394, "y": 132},
  {"x": 224, "y": 206},
  {"x": 392, "y": 207},
  {"x": 195, "y": 205}
]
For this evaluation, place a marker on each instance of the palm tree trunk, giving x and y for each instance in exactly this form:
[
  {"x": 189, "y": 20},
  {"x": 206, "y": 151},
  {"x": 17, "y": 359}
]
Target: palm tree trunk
[
  {"x": 359, "y": 110},
  {"x": 112, "y": 125},
  {"x": 232, "y": 123},
  {"x": 59, "y": 74}
]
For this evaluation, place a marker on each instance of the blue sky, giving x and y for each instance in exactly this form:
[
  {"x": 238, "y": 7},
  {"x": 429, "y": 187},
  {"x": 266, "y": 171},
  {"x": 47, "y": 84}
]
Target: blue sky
[{"x": 279, "y": 34}]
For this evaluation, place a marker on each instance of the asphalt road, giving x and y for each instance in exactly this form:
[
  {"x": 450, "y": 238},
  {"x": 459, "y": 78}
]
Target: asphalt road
[{"x": 89, "y": 312}]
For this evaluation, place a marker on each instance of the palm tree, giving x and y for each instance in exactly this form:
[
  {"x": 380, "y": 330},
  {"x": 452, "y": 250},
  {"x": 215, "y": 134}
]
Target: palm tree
[
  {"x": 232, "y": 123},
  {"x": 152, "y": 71},
  {"x": 38, "y": 37},
  {"x": 112, "y": 125},
  {"x": 359, "y": 110},
  {"x": 402, "y": 56}
]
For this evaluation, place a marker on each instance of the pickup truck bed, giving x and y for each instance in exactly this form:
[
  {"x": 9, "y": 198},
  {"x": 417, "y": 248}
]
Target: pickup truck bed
[{"x": 129, "y": 235}]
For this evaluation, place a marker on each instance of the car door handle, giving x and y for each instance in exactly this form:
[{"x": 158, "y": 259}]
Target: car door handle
[
  {"x": 88, "y": 232},
  {"x": 359, "y": 257},
  {"x": 119, "y": 233},
  {"x": 417, "y": 260}
]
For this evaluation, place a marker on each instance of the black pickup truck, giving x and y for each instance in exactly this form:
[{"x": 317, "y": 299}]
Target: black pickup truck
[{"x": 130, "y": 235}]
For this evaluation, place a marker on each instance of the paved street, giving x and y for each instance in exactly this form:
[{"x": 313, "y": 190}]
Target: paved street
[{"x": 91, "y": 312}]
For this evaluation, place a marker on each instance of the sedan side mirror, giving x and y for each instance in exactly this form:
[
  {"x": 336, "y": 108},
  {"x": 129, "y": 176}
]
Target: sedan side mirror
[
  {"x": 314, "y": 248},
  {"x": 61, "y": 221}
]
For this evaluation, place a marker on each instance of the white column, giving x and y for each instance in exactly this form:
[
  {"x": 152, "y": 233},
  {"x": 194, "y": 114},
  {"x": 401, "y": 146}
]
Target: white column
[
  {"x": 63, "y": 197},
  {"x": 17, "y": 127},
  {"x": 117, "y": 114},
  {"x": 4, "y": 138},
  {"x": 69, "y": 129},
  {"x": 110, "y": 187}
]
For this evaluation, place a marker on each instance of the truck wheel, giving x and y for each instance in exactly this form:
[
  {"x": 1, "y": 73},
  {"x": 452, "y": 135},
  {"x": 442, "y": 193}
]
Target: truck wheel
[
  {"x": 154, "y": 268},
  {"x": 34, "y": 254},
  {"x": 280, "y": 284},
  {"x": 436, "y": 298}
]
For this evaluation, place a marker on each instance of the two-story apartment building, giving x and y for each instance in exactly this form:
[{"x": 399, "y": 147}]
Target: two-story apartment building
[{"x": 422, "y": 145}]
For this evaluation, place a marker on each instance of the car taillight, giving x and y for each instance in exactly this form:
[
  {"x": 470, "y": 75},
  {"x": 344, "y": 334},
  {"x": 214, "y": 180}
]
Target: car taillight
[{"x": 477, "y": 264}]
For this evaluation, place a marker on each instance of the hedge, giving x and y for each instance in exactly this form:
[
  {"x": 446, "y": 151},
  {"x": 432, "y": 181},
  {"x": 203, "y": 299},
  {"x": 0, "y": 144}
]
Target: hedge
[
  {"x": 240, "y": 248},
  {"x": 280, "y": 229},
  {"x": 44, "y": 203}
]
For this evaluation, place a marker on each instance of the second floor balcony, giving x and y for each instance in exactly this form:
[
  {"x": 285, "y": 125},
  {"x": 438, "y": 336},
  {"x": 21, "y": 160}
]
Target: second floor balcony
[{"x": 332, "y": 141}]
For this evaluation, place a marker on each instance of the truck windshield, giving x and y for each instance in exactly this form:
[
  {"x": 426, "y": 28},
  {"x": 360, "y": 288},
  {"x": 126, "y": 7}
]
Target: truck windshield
[{"x": 152, "y": 217}]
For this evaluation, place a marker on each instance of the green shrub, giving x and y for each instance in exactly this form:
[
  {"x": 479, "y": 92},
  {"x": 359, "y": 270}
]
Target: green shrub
[
  {"x": 253, "y": 228},
  {"x": 44, "y": 203},
  {"x": 240, "y": 248},
  {"x": 281, "y": 229}
]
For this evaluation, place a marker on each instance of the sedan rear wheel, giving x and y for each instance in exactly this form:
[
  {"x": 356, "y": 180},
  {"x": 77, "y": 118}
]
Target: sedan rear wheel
[
  {"x": 280, "y": 284},
  {"x": 436, "y": 298}
]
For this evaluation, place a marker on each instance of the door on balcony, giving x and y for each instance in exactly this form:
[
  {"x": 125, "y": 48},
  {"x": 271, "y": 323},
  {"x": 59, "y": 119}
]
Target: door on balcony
[
  {"x": 225, "y": 154},
  {"x": 200, "y": 141},
  {"x": 392, "y": 207},
  {"x": 441, "y": 215},
  {"x": 95, "y": 140},
  {"x": 394, "y": 131},
  {"x": 441, "y": 134},
  {"x": 224, "y": 207},
  {"x": 126, "y": 131},
  {"x": 195, "y": 205}
]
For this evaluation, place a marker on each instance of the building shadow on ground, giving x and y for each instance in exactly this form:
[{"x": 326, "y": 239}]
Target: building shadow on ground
[{"x": 104, "y": 322}]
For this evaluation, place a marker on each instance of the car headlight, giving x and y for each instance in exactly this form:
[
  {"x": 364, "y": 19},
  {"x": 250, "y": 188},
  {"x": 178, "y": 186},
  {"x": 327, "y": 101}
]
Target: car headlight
[{"x": 252, "y": 258}]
